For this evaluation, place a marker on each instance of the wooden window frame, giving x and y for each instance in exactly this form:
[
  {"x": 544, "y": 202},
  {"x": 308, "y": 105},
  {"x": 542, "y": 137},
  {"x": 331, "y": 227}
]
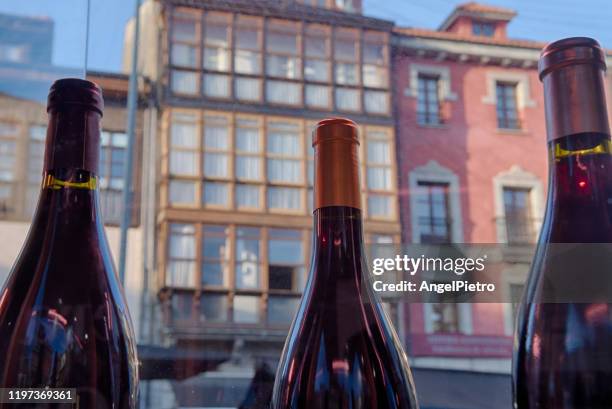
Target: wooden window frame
[
  {"x": 503, "y": 118},
  {"x": 428, "y": 118}
]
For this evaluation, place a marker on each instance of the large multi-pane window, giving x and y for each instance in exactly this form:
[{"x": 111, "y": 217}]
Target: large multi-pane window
[
  {"x": 36, "y": 152},
  {"x": 112, "y": 173},
  {"x": 242, "y": 267},
  {"x": 8, "y": 149},
  {"x": 433, "y": 212},
  {"x": 279, "y": 61},
  {"x": 217, "y": 54},
  {"x": 428, "y": 100},
  {"x": 263, "y": 163},
  {"x": 185, "y": 52},
  {"x": 507, "y": 112},
  {"x": 379, "y": 173}
]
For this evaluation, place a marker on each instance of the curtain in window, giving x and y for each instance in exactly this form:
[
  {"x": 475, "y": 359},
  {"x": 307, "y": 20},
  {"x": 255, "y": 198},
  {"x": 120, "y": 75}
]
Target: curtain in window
[
  {"x": 247, "y": 62},
  {"x": 317, "y": 96},
  {"x": 248, "y": 167},
  {"x": 379, "y": 178},
  {"x": 183, "y": 163},
  {"x": 347, "y": 99},
  {"x": 216, "y": 165},
  {"x": 216, "y": 85},
  {"x": 284, "y": 170},
  {"x": 283, "y": 198},
  {"x": 247, "y": 196},
  {"x": 283, "y": 92},
  {"x": 248, "y": 89},
  {"x": 379, "y": 152},
  {"x": 376, "y": 102}
]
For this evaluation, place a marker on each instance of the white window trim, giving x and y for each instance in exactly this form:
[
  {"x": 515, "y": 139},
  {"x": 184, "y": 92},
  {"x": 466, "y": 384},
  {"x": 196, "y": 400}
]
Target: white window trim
[
  {"x": 444, "y": 81},
  {"x": 514, "y": 274},
  {"x": 436, "y": 173},
  {"x": 516, "y": 177},
  {"x": 523, "y": 90}
]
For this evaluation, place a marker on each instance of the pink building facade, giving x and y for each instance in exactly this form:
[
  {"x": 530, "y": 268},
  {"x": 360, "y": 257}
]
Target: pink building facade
[{"x": 472, "y": 163}]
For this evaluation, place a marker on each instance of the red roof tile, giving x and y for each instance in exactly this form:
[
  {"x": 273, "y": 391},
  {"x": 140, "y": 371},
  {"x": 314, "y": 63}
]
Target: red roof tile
[{"x": 484, "y": 8}]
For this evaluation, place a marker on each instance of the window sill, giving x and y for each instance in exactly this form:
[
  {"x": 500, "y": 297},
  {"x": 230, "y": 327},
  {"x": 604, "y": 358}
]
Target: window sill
[
  {"x": 512, "y": 131},
  {"x": 433, "y": 126}
]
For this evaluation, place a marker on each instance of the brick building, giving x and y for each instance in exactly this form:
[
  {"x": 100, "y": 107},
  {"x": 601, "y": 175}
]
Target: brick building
[{"x": 472, "y": 164}]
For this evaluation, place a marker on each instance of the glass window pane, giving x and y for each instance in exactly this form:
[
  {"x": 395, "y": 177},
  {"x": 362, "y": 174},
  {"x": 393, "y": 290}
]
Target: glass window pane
[
  {"x": 182, "y": 192},
  {"x": 216, "y": 136},
  {"x": 285, "y": 252},
  {"x": 184, "y": 30},
  {"x": 317, "y": 96},
  {"x": 248, "y": 167},
  {"x": 285, "y": 43},
  {"x": 284, "y": 198},
  {"x": 246, "y": 309},
  {"x": 376, "y": 102},
  {"x": 281, "y": 310},
  {"x": 316, "y": 70},
  {"x": 374, "y": 53},
  {"x": 184, "y": 82},
  {"x": 247, "y": 139},
  {"x": 379, "y": 206},
  {"x": 315, "y": 47},
  {"x": 185, "y": 55},
  {"x": 281, "y": 92},
  {"x": 247, "y": 38},
  {"x": 213, "y": 273},
  {"x": 247, "y": 89},
  {"x": 213, "y": 308},
  {"x": 347, "y": 74},
  {"x": 216, "y": 165},
  {"x": 283, "y": 66},
  {"x": 215, "y": 194},
  {"x": 216, "y": 59},
  {"x": 284, "y": 170},
  {"x": 375, "y": 76},
  {"x": 348, "y": 99},
  {"x": 345, "y": 50},
  {"x": 247, "y": 62},
  {"x": 216, "y": 85},
  {"x": 216, "y": 35},
  {"x": 184, "y": 135},
  {"x": 378, "y": 152},
  {"x": 247, "y": 196}
]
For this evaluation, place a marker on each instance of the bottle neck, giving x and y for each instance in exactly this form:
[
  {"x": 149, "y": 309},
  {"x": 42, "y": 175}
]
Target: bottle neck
[
  {"x": 579, "y": 207},
  {"x": 73, "y": 139},
  {"x": 338, "y": 242}
]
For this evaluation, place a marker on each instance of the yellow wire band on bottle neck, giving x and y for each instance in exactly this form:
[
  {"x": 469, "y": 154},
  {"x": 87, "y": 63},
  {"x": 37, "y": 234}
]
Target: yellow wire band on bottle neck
[
  {"x": 51, "y": 182},
  {"x": 602, "y": 148}
]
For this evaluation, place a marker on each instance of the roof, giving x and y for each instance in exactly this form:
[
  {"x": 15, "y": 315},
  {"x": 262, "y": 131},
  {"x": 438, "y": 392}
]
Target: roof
[
  {"x": 478, "y": 10},
  {"x": 446, "y": 35},
  {"x": 484, "y": 8}
]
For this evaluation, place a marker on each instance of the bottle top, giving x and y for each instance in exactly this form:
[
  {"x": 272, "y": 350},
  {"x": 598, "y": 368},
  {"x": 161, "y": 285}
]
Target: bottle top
[
  {"x": 572, "y": 71},
  {"x": 75, "y": 91},
  {"x": 570, "y": 51},
  {"x": 73, "y": 134},
  {"x": 336, "y": 159}
]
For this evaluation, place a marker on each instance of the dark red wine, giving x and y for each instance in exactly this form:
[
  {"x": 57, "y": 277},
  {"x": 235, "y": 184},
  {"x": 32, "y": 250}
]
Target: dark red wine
[
  {"x": 563, "y": 354},
  {"x": 64, "y": 321},
  {"x": 342, "y": 351}
]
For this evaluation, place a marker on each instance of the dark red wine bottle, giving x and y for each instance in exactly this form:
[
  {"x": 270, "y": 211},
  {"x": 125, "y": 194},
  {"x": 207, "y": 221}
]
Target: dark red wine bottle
[
  {"x": 64, "y": 322},
  {"x": 563, "y": 345},
  {"x": 342, "y": 350}
]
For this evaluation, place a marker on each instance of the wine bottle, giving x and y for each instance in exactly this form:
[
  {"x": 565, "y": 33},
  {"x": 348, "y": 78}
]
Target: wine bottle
[
  {"x": 64, "y": 322},
  {"x": 563, "y": 342},
  {"x": 341, "y": 351}
]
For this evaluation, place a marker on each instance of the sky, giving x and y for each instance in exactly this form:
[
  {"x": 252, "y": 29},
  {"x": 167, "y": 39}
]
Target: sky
[{"x": 543, "y": 20}]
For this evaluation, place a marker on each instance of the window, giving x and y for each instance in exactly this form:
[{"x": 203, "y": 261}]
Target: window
[
  {"x": 182, "y": 192},
  {"x": 483, "y": 28},
  {"x": 282, "y": 309},
  {"x": 213, "y": 308},
  {"x": 284, "y": 153},
  {"x": 317, "y": 96},
  {"x": 8, "y": 148},
  {"x": 285, "y": 260},
  {"x": 379, "y": 206},
  {"x": 316, "y": 53},
  {"x": 184, "y": 82},
  {"x": 375, "y": 60},
  {"x": 519, "y": 224},
  {"x": 247, "y": 37},
  {"x": 111, "y": 172},
  {"x": 247, "y": 257},
  {"x": 216, "y": 147},
  {"x": 182, "y": 306},
  {"x": 284, "y": 92},
  {"x": 185, "y": 40},
  {"x": 247, "y": 89},
  {"x": 433, "y": 212},
  {"x": 181, "y": 265},
  {"x": 507, "y": 114},
  {"x": 248, "y": 196},
  {"x": 346, "y": 56},
  {"x": 36, "y": 151},
  {"x": 284, "y": 198},
  {"x": 184, "y": 146},
  {"x": 248, "y": 149},
  {"x": 282, "y": 49},
  {"x": 216, "y": 86},
  {"x": 215, "y": 256},
  {"x": 348, "y": 99},
  {"x": 184, "y": 52},
  {"x": 216, "y": 42},
  {"x": 445, "y": 317},
  {"x": 378, "y": 161},
  {"x": 428, "y": 102},
  {"x": 376, "y": 102},
  {"x": 246, "y": 309}
]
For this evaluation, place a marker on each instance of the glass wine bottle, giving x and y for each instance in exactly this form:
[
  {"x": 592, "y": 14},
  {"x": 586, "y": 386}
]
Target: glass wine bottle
[
  {"x": 341, "y": 351},
  {"x": 563, "y": 344},
  {"x": 64, "y": 321}
]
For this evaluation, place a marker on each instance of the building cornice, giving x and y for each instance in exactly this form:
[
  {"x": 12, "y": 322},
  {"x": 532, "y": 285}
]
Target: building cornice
[{"x": 288, "y": 10}]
